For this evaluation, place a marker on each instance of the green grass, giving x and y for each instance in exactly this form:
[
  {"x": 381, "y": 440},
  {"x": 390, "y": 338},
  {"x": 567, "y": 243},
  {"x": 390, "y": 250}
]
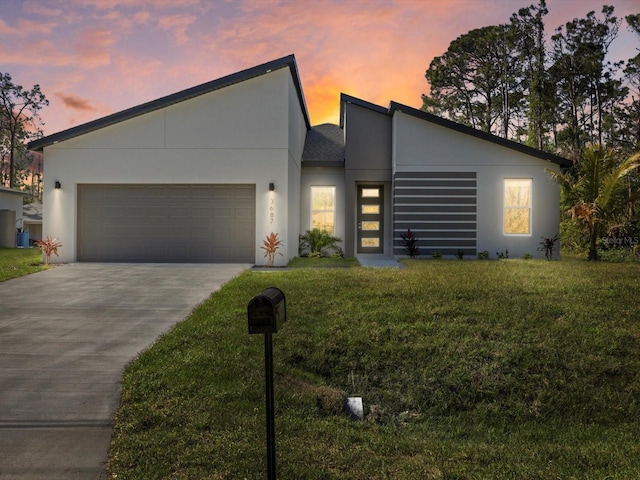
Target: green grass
[
  {"x": 323, "y": 262},
  {"x": 468, "y": 370},
  {"x": 17, "y": 262}
]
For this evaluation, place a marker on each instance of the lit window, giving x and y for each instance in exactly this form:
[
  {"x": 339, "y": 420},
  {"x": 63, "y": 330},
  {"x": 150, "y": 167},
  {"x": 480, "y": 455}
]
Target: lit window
[
  {"x": 371, "y": 209},
  {"x": 323, "y": 208},
  {"x": 517, "y": 206},
  {"x": 370, "y": 242},
  {"x": 371, "y": 192}
]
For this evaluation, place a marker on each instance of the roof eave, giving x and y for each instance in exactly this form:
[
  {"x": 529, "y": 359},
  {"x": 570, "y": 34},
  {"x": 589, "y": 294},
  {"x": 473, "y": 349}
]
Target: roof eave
[
  {"x": 323, "y": 164},
  {"x": 288, "y": 61},
  {"x": 13, "y": 191}
]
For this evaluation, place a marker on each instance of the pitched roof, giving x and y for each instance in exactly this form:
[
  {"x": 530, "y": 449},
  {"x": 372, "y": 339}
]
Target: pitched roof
[
  {"x": 324, "y": 146},
  {"x": 398, "y": 107},
  {"x": 13, "y": 191},
  {"x": 288, "y": 61},
  {"x": 32, "y": 212}
]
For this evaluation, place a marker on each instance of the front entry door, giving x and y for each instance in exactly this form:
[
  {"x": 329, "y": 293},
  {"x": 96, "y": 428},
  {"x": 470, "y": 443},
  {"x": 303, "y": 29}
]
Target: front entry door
[{"x": 370, "y": 218}]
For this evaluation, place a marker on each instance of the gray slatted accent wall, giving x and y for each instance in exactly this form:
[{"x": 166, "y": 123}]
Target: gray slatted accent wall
[{"x": 439, "y": 207}]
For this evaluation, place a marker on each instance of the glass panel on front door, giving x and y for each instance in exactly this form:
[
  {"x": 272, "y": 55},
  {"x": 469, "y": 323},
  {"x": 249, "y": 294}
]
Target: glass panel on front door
[{"x": 370, "y": 219}]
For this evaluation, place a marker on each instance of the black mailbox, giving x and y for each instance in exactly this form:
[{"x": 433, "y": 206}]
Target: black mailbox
[{"x": 267, "y": 312}]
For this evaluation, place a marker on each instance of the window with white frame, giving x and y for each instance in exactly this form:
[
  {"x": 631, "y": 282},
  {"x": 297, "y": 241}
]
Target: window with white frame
[
  {"x": 323, "y": 208},
  {"x": 517, "y": 206}
]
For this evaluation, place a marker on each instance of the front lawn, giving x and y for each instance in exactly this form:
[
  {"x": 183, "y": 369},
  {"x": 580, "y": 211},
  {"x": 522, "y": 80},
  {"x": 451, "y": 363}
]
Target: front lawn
[
  {"x": 467, "y": 369},
  {"x": 17, "y": 262},
  {"x": 323, "y": 262}
]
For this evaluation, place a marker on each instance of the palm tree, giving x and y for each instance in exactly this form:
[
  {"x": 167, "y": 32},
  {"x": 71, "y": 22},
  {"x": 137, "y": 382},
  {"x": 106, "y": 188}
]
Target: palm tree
[{"x": 596, "y": 191}]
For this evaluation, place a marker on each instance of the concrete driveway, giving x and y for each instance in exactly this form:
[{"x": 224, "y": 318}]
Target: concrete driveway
[{"x": 66, "y": 335}]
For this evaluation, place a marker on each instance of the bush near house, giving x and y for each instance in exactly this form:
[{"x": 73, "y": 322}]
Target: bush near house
[
  {"x": 319, "y": 243},
  {"x": 474, "y": 370}
]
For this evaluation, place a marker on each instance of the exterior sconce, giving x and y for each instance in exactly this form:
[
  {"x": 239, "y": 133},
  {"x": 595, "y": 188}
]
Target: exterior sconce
[
  {"x": 57, "y": 185},
  {"x": 272, "y": 187}
]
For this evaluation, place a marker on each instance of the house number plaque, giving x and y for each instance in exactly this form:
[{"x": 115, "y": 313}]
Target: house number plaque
[{"x": 271, "y": 210}]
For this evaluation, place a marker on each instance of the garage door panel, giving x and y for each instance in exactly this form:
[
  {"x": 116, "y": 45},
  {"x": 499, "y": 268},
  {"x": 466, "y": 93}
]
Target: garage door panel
[
  {"x": 166, "y": 223},
  {"x": 244, "y": 214}
]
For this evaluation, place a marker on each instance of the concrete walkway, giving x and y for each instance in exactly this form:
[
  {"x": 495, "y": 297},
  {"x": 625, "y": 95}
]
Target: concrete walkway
[
  {"x": 65, "y": 336},
  {"x": 378, "y": 261}
]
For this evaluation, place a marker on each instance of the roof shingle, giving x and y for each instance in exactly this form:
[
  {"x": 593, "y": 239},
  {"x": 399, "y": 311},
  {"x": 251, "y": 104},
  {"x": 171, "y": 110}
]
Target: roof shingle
[{"x": 324, "y": 146}]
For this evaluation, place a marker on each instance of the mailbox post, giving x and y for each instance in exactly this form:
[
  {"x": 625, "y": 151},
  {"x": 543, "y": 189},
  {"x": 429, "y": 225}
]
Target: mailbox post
[{"x": 265, "y": 314}]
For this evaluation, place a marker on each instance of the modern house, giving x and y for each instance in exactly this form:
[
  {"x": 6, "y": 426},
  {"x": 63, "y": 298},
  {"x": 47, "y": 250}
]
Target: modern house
[{"x": 204, "y": 175}]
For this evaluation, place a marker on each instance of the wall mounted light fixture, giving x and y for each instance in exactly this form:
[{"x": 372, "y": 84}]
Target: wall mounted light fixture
[
  {"x": 272, "y": 187},
  {"x": 57, "y": 185}
]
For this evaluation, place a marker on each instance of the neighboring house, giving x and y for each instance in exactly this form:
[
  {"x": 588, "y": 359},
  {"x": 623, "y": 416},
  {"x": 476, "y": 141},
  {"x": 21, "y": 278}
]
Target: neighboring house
[
  {"x": 32, "y": 220},
  {"x": 10, "y": 215},
  {"x": 206, "y": 174}
]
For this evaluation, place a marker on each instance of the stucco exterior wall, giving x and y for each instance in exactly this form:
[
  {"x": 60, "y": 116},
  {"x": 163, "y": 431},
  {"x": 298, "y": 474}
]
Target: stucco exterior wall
[
  {"x": 297, "y": 137},
  {"x": 368, "y": 150},
  {"x": 241, "y": 134},
  {"x": 421, "y": 146}
]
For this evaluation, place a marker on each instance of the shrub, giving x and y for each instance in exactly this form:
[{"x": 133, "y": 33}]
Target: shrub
[
  {"x": 410, "y": 243},
  {"x": 271, "y": 245},
  {"x": 547, "y": 245},
  {"x": 48, "y": 246},
  {"x": 619, "y": 255},
  {"x": 318, "y": 243},
  {"x": 484, "y": 255}
]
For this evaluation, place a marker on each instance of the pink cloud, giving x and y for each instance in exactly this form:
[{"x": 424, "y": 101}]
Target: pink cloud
[
  {"x": 39, "y": 8},
  {"x": 37, "y": 52},
  {"x": 6, "y": 29},
  {"x": 93, "y": 46},
  {"x": 29, "y": 27},
  {"x": 142, "y": 17},
  {"x": 178, "y": 24}
]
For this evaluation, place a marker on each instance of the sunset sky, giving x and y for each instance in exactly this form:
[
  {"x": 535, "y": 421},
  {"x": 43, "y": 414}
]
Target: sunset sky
[{"x": 96, "y": 57}]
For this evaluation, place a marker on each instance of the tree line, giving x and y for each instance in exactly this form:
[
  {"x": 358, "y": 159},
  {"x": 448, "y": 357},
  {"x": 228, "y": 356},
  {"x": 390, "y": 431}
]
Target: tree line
[{"x": 558, "y": 95}]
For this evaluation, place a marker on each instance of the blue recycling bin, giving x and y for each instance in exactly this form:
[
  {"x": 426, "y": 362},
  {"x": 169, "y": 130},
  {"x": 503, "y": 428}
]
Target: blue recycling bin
[{"x": 23, "y": 239}]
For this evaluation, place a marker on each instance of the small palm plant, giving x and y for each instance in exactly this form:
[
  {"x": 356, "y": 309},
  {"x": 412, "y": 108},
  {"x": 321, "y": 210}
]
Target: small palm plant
[
  {"x": 271, "y": 246},
  {"x": 48, "y": 246},
  {"x": 318, "y": 242},
  {"x": 547, "y": 245}
]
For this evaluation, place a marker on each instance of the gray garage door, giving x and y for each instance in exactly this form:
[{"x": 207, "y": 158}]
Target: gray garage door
[{"x": 166, "y": 223}]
